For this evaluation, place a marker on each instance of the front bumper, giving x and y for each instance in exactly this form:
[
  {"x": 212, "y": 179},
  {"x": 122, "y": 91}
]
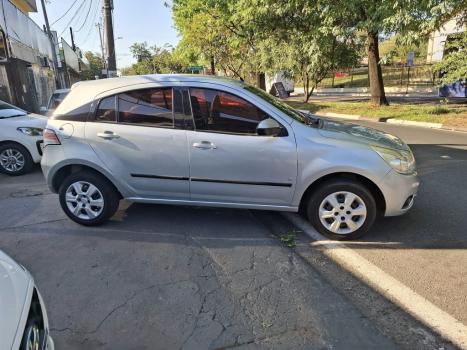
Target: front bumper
[{"x": 399, "y": 192}]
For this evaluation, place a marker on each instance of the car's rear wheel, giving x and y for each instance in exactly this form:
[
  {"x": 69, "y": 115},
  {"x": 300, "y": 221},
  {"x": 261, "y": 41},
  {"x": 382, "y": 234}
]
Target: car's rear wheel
[
  {"x": 15, "y": 159},
  {"x": 88, "y": 198},
  {"x": 342, "y": 209}
]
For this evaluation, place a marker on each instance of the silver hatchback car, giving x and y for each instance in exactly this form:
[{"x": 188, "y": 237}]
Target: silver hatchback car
[{"x": 209, "y": 141}]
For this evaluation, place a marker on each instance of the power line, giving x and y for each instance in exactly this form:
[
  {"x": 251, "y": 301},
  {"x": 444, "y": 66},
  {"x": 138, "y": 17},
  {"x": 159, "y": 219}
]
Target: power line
[
  {"x": 92, "y": 27},
  {"x": 74, "y": 16},
  {"x": 66, "y": 12},
  {"x": 87, "y": 15}
]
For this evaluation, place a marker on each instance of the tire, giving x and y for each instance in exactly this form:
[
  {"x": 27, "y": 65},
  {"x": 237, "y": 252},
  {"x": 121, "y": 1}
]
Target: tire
[
  {"x": 332, "y": 216},
  {"x": 32, "y": 336},
  {"x": 98, "y": 203},
  {"x": 17, "y": 153}
]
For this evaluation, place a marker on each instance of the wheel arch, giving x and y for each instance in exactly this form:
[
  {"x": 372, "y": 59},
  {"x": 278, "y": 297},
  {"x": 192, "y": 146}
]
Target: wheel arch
[
  {"x": 372, "y": 187},
  {"x": 61, "y": 174},
  {"x": 5, "y": 142}
]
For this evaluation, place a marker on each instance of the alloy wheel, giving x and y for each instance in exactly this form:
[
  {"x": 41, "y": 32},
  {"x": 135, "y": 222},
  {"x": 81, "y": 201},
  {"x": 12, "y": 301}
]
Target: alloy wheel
[
  {"x": 84, "y": 200},
  {"x": 342, "y": 212},
  {"x": 12, "y": 160}
]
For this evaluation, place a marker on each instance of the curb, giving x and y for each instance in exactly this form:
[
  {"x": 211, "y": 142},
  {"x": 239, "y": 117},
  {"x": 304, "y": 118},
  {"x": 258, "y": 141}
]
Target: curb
[{"x": 391, "y": 121}]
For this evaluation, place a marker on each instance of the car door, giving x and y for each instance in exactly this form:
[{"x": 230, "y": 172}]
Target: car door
[
  {"x": 229, "y": 161},
  {"x": 137, "y": 137}
]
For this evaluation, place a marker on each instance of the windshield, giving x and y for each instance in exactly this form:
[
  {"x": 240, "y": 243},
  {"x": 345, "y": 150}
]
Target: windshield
[
  {"x": 9, "y": 111},
  {"x": 284, "y": 107}
]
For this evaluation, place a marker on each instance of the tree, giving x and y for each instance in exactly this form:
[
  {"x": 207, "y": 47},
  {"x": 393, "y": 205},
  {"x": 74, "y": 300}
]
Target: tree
[
  {"x": 453, "y": 66},
  {"x": 140, "y": 51},
  {"x": 292, "y": 36},
  {"x": 412, "y": 20},
  {"x": 211, "y": 32},
  {"x": 95, "y": 66},
  {"x": 155, "y": 60}
]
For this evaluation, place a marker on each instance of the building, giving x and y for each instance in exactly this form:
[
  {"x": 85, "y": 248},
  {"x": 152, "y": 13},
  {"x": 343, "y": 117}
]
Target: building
[
  {"x": 438, "y": 38},
  {"x": 27, "y": 78},
  {"x": 26, "y": 75},
  {"x": 71, "y": 63}
]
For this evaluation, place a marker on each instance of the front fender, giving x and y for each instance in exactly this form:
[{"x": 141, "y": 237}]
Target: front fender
[{"x": 366, "y": 164}]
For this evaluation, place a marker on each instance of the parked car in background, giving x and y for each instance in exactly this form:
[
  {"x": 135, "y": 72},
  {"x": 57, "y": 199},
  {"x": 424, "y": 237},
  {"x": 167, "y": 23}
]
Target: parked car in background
[
  {"x": 54, "y": 100},
  {"x": 20, "y": 139},
  {"x": 23, "y": 319},
  {"x": 200, "y": 140}
]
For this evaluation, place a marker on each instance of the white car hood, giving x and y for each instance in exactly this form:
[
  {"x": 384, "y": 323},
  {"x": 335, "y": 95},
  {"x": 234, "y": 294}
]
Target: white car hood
[
  {"x": 30, "y": 120},
  {"x": 14, "y": 285}
]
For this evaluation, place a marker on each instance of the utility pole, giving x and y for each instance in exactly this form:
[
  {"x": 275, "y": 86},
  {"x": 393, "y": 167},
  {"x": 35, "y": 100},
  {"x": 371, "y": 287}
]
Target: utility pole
[
  {"x": 73, "y": 46},
  {"x": 98, "y": 25},
  {"x": 109, "y": 39},
  {"x": 52, "y": 45}
]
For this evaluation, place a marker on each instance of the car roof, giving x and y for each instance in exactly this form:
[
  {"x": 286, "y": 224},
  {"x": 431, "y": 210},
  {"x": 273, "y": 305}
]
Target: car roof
[
  {"x": 114, "y": 83},
  {"x": 84, "y": 92}
]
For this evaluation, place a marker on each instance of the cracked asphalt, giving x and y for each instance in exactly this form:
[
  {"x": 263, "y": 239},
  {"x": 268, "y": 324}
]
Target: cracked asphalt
[{"x": 163, "y": 277}]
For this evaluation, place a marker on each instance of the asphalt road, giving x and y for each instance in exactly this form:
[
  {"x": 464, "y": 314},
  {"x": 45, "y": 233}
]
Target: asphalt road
[
  {"x": 427, "y": 248},
  {"x": 197, "y": 278},
  {"x": 162, "y": 277}
]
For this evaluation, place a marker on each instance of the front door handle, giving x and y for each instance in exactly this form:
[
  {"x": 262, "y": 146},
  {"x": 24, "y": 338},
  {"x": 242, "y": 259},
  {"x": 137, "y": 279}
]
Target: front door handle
[
  {"x": 108, "y": 135},
  {"x": 204, "y": 145}
]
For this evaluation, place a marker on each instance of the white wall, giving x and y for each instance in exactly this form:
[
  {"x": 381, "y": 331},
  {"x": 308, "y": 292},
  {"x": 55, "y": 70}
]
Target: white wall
[{"x": 438, "y": 38}]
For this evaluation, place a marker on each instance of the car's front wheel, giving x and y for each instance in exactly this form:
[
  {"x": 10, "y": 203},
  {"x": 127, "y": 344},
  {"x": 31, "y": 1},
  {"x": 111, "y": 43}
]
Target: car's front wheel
[
  {"x": 342, "y": 209},
  {"x": 88, "y": 198},
  {"x": 15, "y": 159}
]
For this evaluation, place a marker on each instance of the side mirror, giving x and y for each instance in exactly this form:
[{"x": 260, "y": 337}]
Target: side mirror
[
  {"x": 269, "y": 127},
  {"x": 43, "y": 110}
]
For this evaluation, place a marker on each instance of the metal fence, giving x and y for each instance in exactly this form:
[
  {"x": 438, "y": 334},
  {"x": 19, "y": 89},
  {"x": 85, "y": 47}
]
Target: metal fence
[{"x": 420, "y": 75}]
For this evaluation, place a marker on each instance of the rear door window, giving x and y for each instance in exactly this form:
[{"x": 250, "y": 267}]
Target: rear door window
[
  {"x": 106, "y": 110},
  {"x": 150, "y": 107}
]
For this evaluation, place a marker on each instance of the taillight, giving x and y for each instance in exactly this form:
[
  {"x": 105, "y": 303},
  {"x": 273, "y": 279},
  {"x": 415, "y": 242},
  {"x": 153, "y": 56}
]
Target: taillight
[{"x": 50, "y": 137}]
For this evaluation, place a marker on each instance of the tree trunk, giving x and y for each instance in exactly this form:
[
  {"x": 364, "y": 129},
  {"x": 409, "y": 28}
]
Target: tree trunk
[
  {"x": 306, "y": 86},
  {"x": 378, "y": 97},
  {"x": 213, "y": 66},
  {"x": 261, "y": 81}
]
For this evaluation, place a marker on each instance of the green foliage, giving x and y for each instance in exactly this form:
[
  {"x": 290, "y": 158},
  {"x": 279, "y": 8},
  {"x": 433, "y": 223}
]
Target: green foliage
[
  {"x": 393, "y": 51},
  {"x": 289, "y": 238},
  {"x": 307, "y": 38},
  {"x": 155, "y": 60},
  {"x": 210, "y": 31},
  {"x": 95, "y": 66},
  {"x": 454, "y": 63}
]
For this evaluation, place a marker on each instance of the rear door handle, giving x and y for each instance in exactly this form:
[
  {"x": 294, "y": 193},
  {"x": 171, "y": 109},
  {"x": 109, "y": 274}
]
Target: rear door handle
[
  {"x": 204, "y": 145},
  {"x": 108, "y": 135}
]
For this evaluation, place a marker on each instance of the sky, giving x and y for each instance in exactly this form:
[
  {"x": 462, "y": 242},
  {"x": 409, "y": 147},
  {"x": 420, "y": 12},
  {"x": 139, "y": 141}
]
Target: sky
[{"x": 134, "y": 21}]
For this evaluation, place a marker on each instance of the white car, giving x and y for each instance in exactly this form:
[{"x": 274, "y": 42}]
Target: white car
[
  {"x": 23, "y": 318},
  {"x": 20, "y": 139}
]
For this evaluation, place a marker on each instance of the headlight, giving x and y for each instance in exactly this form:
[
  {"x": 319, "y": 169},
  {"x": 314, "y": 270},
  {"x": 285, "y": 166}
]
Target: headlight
[
  {"x": 401, "y": 161},
  {"x": 31, "y": 131}
]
